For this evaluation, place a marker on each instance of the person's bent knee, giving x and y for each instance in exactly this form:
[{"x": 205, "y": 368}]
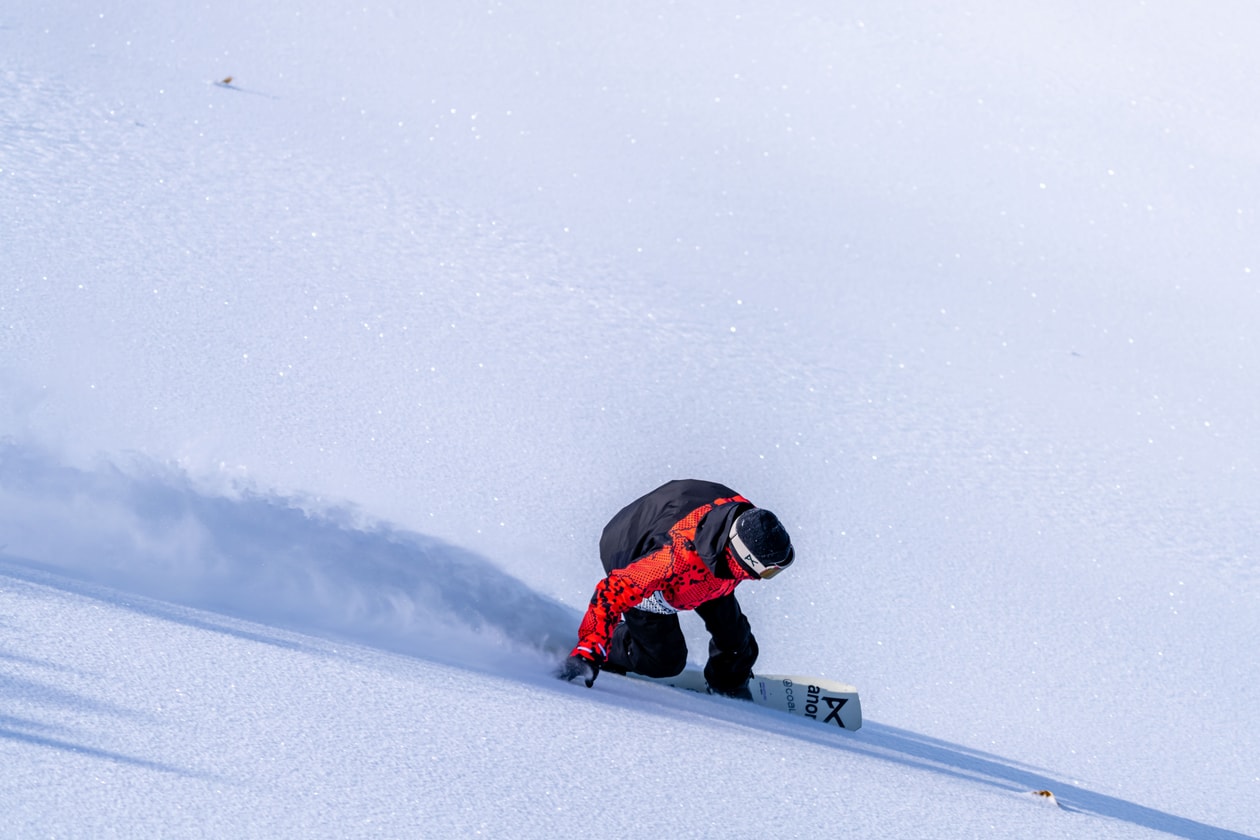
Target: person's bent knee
[{"x": 668, "y": 667}]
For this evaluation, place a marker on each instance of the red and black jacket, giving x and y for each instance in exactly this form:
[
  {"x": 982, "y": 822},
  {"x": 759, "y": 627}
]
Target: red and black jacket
[{"x": 673, "y": 541}]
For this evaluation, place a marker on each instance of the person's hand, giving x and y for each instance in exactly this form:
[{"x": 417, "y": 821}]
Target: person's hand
[{"x": 579, "y": 667}]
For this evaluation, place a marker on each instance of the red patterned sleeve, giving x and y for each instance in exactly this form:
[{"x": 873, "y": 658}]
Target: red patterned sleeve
[{"x": 620, "y": 591}]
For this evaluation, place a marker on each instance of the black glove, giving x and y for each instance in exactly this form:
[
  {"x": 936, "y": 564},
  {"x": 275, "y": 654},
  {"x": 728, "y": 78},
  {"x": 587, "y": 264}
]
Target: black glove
[{"x": 579, "y": 667}]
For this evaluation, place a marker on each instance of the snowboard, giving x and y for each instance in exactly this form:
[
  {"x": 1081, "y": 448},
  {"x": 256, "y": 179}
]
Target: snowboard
[{"x": 827, "y": 702}]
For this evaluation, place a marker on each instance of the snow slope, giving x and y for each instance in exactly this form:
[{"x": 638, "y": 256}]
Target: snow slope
[{"x": 317, "y": 386}]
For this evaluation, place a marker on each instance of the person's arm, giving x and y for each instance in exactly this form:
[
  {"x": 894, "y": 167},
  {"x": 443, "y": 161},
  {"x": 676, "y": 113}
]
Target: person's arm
[{"x": 622, "y": 590}]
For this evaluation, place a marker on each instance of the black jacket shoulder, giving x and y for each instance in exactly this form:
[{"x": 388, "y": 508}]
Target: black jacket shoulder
[{"x": 642, "y": 526}]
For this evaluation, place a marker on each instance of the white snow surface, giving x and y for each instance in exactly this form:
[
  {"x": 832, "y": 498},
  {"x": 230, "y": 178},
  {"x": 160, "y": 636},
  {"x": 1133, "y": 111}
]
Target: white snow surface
[{"x": 317, "y": 386}]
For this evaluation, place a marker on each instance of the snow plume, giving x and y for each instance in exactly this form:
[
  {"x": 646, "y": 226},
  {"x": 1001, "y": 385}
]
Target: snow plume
[{"x": 150, "y": 530}]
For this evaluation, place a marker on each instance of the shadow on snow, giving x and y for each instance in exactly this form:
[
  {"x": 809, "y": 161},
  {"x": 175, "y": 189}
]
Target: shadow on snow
[
  {"x": 892, "y": 744},
  {"x": 927, "y": 754}
]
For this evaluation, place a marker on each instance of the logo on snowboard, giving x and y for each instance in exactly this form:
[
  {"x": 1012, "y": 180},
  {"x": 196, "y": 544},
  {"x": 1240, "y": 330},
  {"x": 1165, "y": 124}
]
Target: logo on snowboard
[{"x": 813, "y": 698}]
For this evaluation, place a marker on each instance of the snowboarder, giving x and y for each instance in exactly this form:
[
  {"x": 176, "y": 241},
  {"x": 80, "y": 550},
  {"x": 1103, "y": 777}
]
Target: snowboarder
[{"x": 684, "y": 546}]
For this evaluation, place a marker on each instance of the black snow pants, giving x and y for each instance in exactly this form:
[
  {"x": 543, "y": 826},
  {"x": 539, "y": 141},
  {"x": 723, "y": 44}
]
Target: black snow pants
[{"x": 653, "y": 644}]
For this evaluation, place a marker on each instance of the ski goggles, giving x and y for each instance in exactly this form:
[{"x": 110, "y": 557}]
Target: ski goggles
[{"x": 753, "y": 563}]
